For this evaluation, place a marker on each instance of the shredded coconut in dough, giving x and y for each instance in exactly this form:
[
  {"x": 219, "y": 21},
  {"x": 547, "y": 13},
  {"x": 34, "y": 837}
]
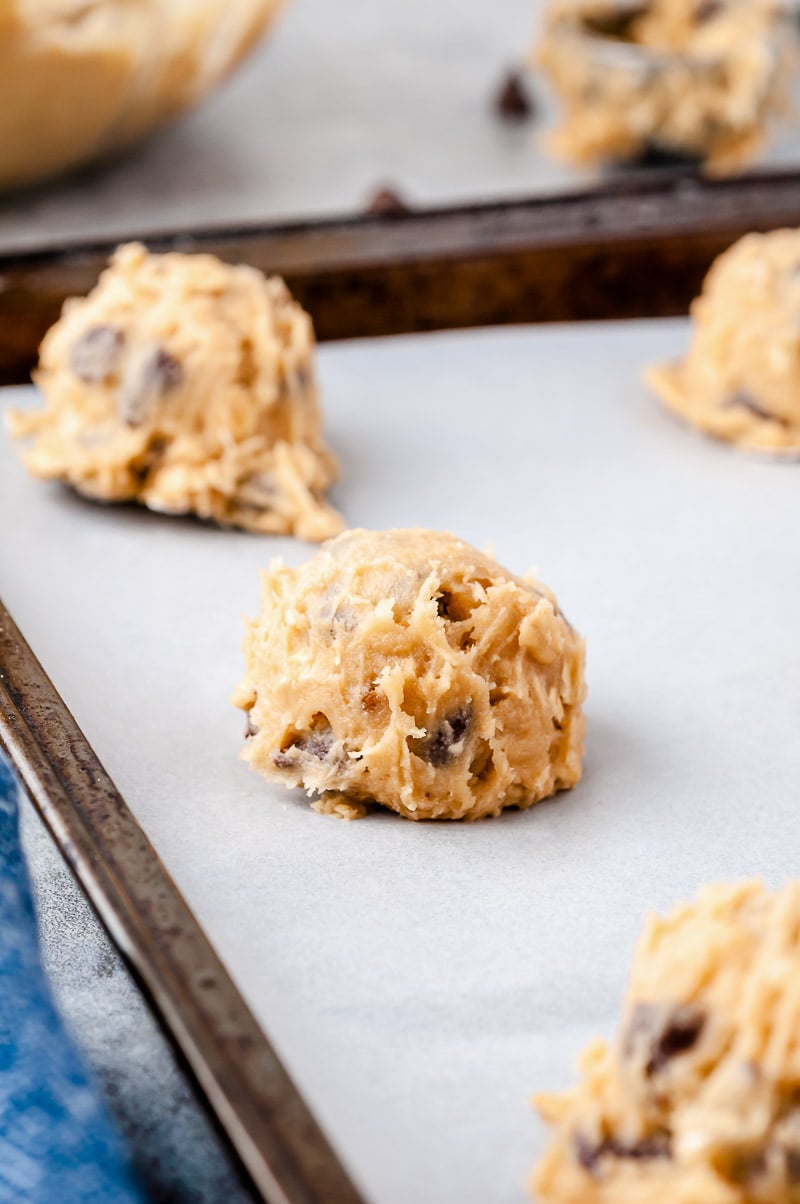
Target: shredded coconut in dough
[
  {"x": 696, "y": 78},
  {"x": 698, "y": 1102},
  {"x": 740, "y": 380},
  {"x": 187, "y": 385},
  {"x": 408, "y": 669}
]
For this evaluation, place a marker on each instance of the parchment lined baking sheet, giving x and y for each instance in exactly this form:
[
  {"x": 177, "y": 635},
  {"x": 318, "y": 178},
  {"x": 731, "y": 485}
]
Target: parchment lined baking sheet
[
  {"x": 339, "y": 99},
  {"x": 420, "y": 981}
]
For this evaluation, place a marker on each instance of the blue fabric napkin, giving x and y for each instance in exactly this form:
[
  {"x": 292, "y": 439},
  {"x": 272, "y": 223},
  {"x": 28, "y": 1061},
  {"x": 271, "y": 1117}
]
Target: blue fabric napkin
[{"x": 57, "y": 1145}]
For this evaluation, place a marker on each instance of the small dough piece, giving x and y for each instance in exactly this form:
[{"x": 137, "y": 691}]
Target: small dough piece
[
  {"x": 741, "y": 378},
  {"x": 408, "y": 669},
  {"x": 700, "y": 79},
  {"x": 187, "y": 385},
  {"x": 82, "y": 78},
  {"x": 698, "y": 1102}
]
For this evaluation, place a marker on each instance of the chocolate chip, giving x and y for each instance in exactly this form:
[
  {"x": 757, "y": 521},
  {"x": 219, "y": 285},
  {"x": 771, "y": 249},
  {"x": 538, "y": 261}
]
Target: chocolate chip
[
  {"x": 707, "y": 10},
  {"x": 655, "y": 1034},
  {"x": 512, "y": 99},
  {"x": 743, "y": 400},
  {"x": 250, "y": 728},
  {"x": 589, "y": 1153},
  {"x": 437, "y": 748},
  {"x": 679, "y": 1036},
  {"x": 93, "y": 355},
  {"x": 658, "y": 1145},
  {"x": 315, "y": 743},
  {"x": 150, "y": 374},
  {"x": 385, "y": 202}
]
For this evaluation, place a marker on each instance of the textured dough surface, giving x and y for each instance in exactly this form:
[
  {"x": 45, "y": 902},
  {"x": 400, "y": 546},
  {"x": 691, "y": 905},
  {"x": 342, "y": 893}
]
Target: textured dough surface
[
  {"x": 80, "y": 78},
  {"x": 187, "y": 385},
  {"x": 741, "y": 377},
  {"x": 697, "y": 78},
  {"x": 698, "y": 1101},
  {"x": 408, "y": 669}
]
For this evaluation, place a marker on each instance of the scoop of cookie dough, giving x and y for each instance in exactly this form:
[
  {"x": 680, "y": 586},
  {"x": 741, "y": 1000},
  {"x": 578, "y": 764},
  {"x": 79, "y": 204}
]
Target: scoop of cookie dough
[
  {"x": 408, "y": 669},
  {"x": 698, "y": 1101},
  {"x": 700, "y": 79},
  {"x": 188, "y": 385},
  {"x": 741, "y": 377},
  {"x": 79, "y": 78}
]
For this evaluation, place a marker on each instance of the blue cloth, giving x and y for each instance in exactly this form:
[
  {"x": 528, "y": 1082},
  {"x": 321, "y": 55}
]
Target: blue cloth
[{"x": 57, "y": 1145}]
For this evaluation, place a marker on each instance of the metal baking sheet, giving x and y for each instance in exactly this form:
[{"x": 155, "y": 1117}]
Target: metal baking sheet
[
  {"x": 420, "y": 981},
  {"x": 339, "y": 100}
]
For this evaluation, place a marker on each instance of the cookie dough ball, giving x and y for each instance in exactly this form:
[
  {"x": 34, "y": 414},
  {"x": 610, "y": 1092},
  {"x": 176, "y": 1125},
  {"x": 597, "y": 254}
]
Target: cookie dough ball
[
  {"x": 187, "y": 385},
  {"x": 695, "y": 78},
  {"x": 741, "y": 377},
  {"x": 81, "y": 79},
  {"x": 698, "y": 1101},
  {"x": 405, "y": 668}
]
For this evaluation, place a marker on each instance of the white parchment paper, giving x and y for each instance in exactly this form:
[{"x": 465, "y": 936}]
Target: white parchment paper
[{"x": 421, "y": 980}]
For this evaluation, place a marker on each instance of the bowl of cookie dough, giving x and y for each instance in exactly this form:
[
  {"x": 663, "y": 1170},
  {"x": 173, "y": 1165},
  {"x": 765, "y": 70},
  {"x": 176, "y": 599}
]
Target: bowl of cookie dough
[{"x": 80, "y": 79}]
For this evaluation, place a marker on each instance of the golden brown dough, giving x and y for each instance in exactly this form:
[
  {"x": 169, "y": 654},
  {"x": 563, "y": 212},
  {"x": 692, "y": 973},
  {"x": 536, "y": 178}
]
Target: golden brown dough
[
  {"x": 408, "y": 669},
  {"x": 740, "y": 380},
  {"x": 187, "y": 385},
  {"x": 79, "y": 78},
  {"x": 698, "y": 1101},
  {"x": 698, "y": 78}
]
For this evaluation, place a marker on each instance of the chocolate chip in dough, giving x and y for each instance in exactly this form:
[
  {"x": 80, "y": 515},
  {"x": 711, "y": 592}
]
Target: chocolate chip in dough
[
  {"x": 743, "y": 400},
  {"x": 655, "y": 1034},
  {"x": 316, "y": 743},
  {"x": 437, "y": 748},
  {"x": 94, "y": 354},
  {"x": 589, "y": 1153},
  {"x": 149, "y": 375}
]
